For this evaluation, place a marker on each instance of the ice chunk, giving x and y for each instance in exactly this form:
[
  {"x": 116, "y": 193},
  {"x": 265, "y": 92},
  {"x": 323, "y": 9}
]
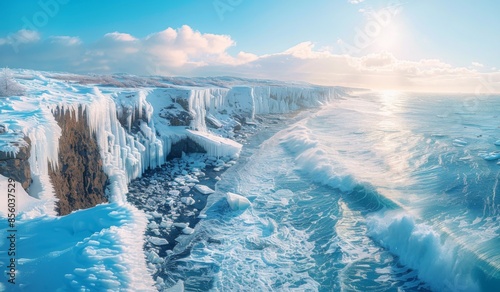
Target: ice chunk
[
  {"x": 153, "y": 225},
  {"x": 204, "y": 189},
  {"x": 178, "y": 287},
  {"x": 155, "y": 214},
  {"x": 490, "y": 156},
  {"x": 185, "y": 189},
  {"x": 192, "y": 180},
  {"x": 181, "y": 225},
  {"x": 214, "y": 121},
  {"x": 158, "y": 241},
  {"x": 188, "y": 230},
  {"x": 188, "y": 201},
  {"x": 154, "y": 258},
  {"x": 237, "y": 202},
  {"x": 174, "y": 193},
  {"x": 215, "y": 145},
  {"x": 166, "y": 224}
]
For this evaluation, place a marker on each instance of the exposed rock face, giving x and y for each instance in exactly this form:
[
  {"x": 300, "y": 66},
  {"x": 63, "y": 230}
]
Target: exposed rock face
[
  {"x": 17, "y": 167},
  {"x": 80, "y": 181},
  {"x": 176, "y": 117},
  {"x": 187, "y": 146},
  {"x": 183, "y": 102}
]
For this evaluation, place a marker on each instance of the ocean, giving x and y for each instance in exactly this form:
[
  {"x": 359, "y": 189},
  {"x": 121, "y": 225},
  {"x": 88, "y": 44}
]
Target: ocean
[{"x": 380, "y": 191}]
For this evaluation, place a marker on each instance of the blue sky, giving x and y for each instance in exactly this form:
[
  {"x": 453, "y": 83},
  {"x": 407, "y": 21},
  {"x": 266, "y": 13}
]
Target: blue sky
[{"x": 458, "y": 35}]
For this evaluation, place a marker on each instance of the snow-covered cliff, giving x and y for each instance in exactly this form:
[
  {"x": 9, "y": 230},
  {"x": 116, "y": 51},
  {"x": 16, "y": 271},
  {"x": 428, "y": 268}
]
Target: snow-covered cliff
[
  {"x": 135, "y": 128},
  {"x": 135, "y": 123}
]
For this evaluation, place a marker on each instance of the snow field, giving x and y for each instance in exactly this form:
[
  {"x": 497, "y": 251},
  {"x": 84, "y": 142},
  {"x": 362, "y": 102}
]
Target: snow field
[{"x": 94, "y": 249}]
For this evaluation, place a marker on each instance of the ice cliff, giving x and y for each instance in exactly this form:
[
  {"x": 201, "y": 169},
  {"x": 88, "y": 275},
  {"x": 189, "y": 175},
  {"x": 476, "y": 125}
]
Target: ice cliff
[
  {"x": 63, "y": 129},
  {"x": 72, "y": 142}
]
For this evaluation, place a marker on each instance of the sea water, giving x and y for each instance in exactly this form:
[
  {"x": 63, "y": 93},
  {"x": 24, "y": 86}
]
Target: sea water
[{"x": 374, "y": 192}]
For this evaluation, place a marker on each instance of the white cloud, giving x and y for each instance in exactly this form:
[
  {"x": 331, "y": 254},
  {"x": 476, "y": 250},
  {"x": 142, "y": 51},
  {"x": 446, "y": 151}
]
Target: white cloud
[
  {"x": 188, "y": 52},
  {"x": 178, "y": 47},
  {"x": 477, "y": 64},
  {"x": 355, "y": 1},
  {"x": 117, "y": 36},
  {"x": 23, "y": 36},
  {"x": 66, "y": 40},
  {"x": 306, "y": 50},
  {"x": 378, "y": 60},
  {"x": 376, "y": 71}
]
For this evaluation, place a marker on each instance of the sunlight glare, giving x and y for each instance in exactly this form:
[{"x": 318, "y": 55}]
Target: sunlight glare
[{"x": 389, "y": 38}]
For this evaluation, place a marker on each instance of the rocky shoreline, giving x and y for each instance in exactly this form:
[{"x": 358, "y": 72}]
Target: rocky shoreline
[{"x": 171, "y": 197}]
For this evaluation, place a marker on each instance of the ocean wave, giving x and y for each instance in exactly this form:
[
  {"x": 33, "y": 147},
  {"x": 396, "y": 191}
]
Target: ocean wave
[
  {"x": 440, "y": 262},
  {"x": 319, "y": 163},
  {"x": 438, "y": 256},
  {"x": 315, "y": 159}
]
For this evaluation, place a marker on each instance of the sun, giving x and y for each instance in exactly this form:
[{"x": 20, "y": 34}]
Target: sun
[{"x": 389, "y": 38}]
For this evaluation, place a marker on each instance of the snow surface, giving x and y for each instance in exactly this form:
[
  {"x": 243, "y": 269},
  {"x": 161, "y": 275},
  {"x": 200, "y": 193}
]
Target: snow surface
[
  {"x": 98, "y": 249},
  {"x": 101, "y": 248},
  {"x": 23, "y": 200}
]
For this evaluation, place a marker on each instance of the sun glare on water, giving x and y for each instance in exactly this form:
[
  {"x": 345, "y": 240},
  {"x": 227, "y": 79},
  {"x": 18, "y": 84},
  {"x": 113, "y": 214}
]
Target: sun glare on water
[{"x": 389, "y": 98}]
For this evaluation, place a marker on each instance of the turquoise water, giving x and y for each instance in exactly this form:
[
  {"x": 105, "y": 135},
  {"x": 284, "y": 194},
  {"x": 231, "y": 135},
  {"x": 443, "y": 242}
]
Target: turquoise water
[{"x": 377, "y": 192}]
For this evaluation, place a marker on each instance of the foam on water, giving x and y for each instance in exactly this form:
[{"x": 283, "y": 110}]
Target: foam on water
[
  {"x": 422, "y": 175},
  {"x": 439, "y": 261},
  {"x": 381, "y": 192},
  {"x": 251, "y": 248},
  {"x": 295, "y": 236}
]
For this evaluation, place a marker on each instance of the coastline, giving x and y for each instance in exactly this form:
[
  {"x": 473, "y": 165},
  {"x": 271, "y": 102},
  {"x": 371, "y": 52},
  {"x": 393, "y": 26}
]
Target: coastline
[{"x": 174, "y": 206}]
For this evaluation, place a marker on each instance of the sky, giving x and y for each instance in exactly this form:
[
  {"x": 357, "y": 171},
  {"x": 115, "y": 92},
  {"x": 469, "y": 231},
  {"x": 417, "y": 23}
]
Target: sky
[{"x": 416, "y": 45}]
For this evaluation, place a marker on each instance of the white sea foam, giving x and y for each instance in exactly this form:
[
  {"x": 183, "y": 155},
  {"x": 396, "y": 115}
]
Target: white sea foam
[
  {"x": 402, "y": 166},
  {"x": 440, "y": 262},
  {"x": 315, "y": 160}
]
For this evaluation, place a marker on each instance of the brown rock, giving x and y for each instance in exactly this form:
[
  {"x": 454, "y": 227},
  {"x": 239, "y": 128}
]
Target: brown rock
[
  {"x": 79, "y": 181},
  {"x": 17, "y": 167}
]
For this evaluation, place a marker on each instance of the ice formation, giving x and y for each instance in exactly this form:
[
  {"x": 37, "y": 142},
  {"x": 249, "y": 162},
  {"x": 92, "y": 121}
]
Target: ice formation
[
  {"x": 204, "y": 189},
  {"x": 237, "y": 202},
  {"x": 131, "y": 133},
  {"x": 132, "y": 137}
]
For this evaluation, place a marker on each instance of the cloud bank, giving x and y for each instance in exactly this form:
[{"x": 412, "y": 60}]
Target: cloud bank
[{"x": 188, "y": 52}]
